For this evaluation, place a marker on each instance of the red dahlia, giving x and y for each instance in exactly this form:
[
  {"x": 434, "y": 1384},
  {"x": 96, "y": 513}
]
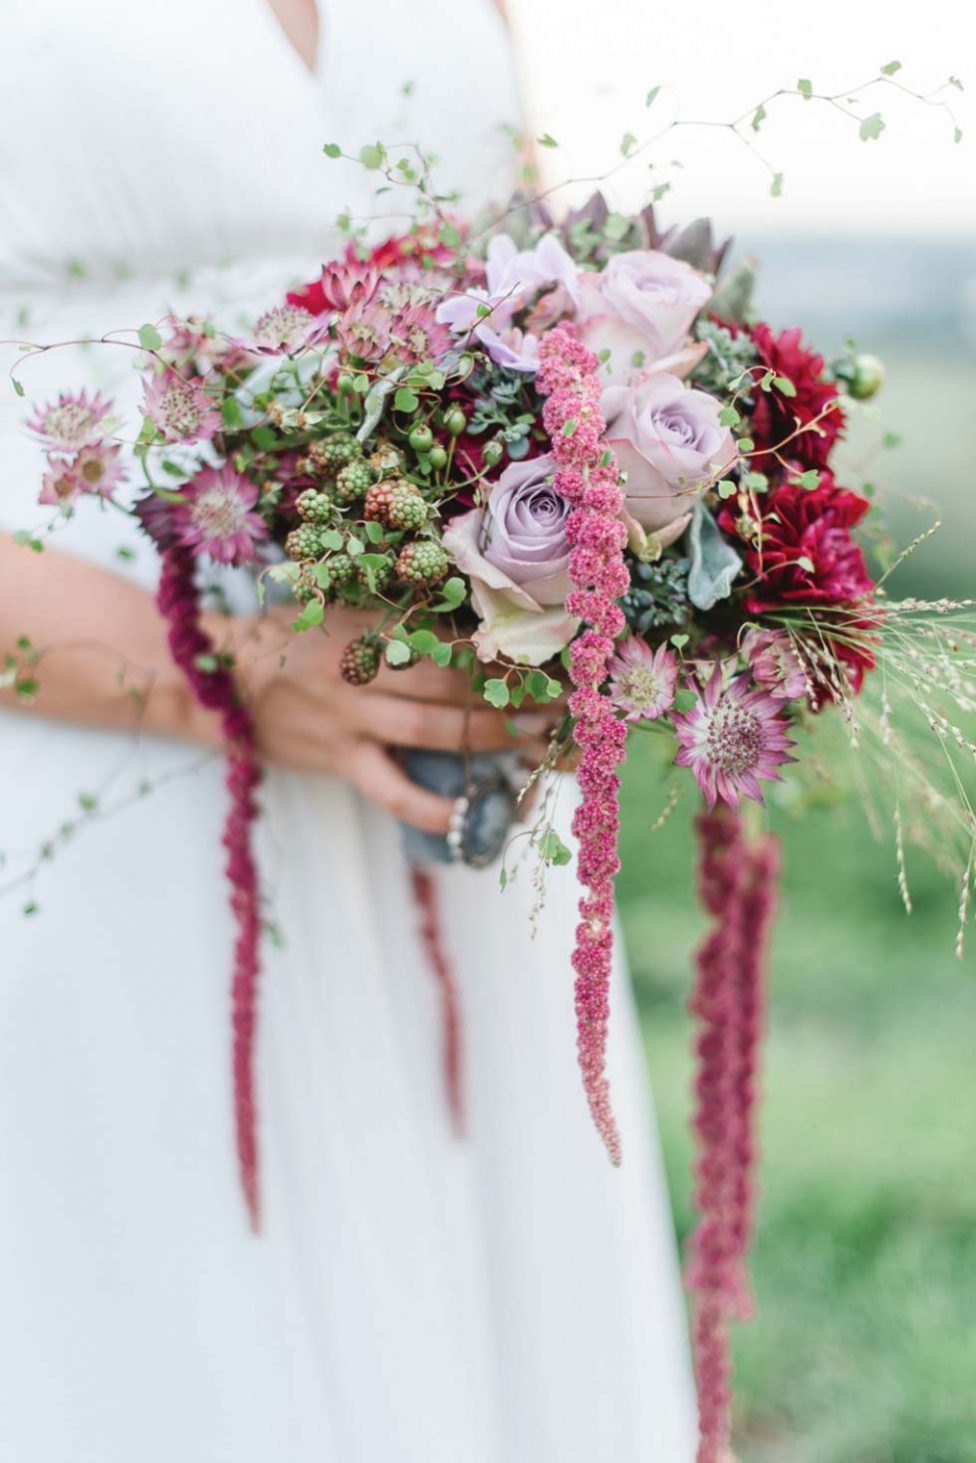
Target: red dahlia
[
  {"x": 777, "y": 416},
  {"x": 804, "y": 552}
]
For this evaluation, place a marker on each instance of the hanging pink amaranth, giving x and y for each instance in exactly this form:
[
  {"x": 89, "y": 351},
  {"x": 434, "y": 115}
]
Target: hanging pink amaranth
[
  {"x": 737, "y": 888},
  {"x": 587, "y": 475},
  {"x": 179, "y": 603}
]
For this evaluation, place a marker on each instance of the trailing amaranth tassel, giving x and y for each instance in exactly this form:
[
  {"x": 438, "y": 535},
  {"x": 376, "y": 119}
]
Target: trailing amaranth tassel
[
  {"x": 737, "y": 887},
  {"x": 179, "y": 602},
  {"x": 425, "y": 894}
]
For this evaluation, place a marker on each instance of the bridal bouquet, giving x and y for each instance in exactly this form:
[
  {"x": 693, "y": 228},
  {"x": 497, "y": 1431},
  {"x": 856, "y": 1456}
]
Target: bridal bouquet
[{"x": 570, "y": 460}]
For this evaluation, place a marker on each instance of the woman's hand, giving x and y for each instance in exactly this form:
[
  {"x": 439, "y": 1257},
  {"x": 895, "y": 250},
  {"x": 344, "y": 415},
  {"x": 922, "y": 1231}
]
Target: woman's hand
[{"x": 308, "y": 718}]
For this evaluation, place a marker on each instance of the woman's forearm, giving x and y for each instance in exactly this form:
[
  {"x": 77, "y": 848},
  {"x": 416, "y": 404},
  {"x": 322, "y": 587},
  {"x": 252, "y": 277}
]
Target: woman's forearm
[{"x": 102, "y": 656}]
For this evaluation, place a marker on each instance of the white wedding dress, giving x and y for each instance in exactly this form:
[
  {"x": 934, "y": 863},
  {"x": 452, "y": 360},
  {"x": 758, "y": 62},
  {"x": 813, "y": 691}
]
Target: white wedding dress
[{"x": 414, "y": 1298}]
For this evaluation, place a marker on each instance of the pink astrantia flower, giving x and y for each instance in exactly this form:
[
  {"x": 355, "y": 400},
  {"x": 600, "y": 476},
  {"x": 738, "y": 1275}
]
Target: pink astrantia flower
[
  {"x": 99, "y": 469},
  {"x": 731, "y": 738},
  {"x": 416, "y": 336},
  {"x": 216, "y": 518},
  {"x": 774, "y": 664},
  {"x": 180, "y": 409},
  {"x": 72, "y": 422},
  {"x": 642, "y": 680},
  {"x": 285, "y": 330},
  {"x": 60, "y": 484}
]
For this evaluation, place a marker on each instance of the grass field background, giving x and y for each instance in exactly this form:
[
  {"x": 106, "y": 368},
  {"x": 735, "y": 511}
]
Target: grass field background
[{"x": 864, "y": 1346}]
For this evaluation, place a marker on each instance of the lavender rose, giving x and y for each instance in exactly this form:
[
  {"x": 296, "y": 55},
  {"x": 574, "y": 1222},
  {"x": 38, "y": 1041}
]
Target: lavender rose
[
  {"x": 514, "y": 552},
  {"x": 640, "y": 308},
  {"x": 669, "y": 441}
]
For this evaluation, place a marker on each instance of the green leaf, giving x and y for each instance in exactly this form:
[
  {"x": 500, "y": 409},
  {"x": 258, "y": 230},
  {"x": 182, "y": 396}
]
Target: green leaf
[
  {"x": 784, "y": 385},
  {"x": 313, "y": 614},
  {"x": 728, "y": 416},
  {"x": 684, "y": 699},
  {"x": 871, "y": 128},
  {"x": 891, "y": 68},
  {"x": 333, "y": 540},
  {"x": 727, "y": 488},
  {"x": 659, "y": 191},
  {"x": 569, "y": 427},
  {"x": 755, "y": 482},
  {"x": 265, "y": 438},
  {"x": 553, "y": 850},
  {"x": 806, "y": 563},
  {"x": 679, "y": 641},
  {"x": 808, "y": 479},
  {"x": 776, "y": 186},
  {"x": 616, "y": 227},
  {"x": 332, "y": 149},
  {"x": 375, "y": 532},
  {"x": 805, "y": 88},
  {"x": 450, "y": 236},
  {"x": 424, "y": 642},
  {"x": 714, "y": 562},
  {"x": 18, "y": 386},
  {"x": 758, "y": 118},
  {"x": 957, "y": 134},
  {"x": 230, "y": 411},
  {"x": 441, "y": 654},
  {"x": 453, "y": 590},
  {"x": 547, "y": 140},
  {"x": 496, "y": 693},
  {"x": 372, "y": 156},
  {"x": 406, "y": 400},
  {"x": 745, "y": 444},
  {"x": 149, "y": 338},
  {"x": 652, "y": 96},
  {"x": 397, "y": 652},
  {"x": 627, "y": 144}
]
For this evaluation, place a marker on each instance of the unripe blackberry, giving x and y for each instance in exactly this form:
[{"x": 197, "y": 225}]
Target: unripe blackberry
[
  {"x": 304, "y": 588},
  {"x": 320, "y": 462},
  {"x": 337, "y": 450},
  {"x": 422, "y": 562},
  {"x": 386, "y": 460},
  {"x": 381, "y": 575},
  {"x": 304, "y": 543},
  {"x": 407, "y": 508},
  {"x": 341, "y": 568},
  {"x": 359, "y": 662},
  {"x": 314, "y": 507},
  {"x": 353, "y": 481}
]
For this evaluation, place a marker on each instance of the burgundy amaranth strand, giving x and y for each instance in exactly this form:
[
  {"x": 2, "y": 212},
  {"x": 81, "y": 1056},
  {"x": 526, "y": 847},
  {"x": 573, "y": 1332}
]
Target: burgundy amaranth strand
[
  {"x": 425, "y": 894},
  {"x": 587, "y": 475},
  {"x": 737, "y": 887},
  {"x": 179, "y": 602}
]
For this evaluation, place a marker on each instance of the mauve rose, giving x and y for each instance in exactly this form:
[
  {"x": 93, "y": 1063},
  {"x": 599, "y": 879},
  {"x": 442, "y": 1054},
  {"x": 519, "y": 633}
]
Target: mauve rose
[
  {"x": 668, "y": 439},
  {"x": 514, "y": 552},
  {"x": 640, "y": 308}
]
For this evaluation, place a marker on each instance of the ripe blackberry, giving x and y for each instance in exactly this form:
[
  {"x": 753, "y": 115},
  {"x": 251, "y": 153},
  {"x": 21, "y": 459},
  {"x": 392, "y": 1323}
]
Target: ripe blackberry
[{"x": 422, "y": 562}]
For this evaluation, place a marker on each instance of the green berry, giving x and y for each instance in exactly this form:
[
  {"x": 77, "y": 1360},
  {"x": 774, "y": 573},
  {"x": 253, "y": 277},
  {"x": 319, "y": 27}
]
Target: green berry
[
  {"x": 455, "y": 421},
  {"x": 314, "y": 507},
  {"x": 421, "y": 438},
  {"x": 406, "y": 508},
  {"x": 380, "y": 574},
  {"x": 304, "y": 543},
  {"x": 422, "y": 562},
  {"x": 359, "y": 662},
  {"x": 353, "y": 480},
  {"x": 438, "y": 456},
  {"x": 338, "y": 449},
  {"x": 341, "y": 568}
]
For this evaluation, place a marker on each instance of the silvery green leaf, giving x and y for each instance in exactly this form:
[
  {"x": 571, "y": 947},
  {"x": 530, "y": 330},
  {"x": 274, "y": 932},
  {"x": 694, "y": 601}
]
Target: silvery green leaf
[
  {"x": 714, "y": 562},
  {"x": 376, "y": 401}
]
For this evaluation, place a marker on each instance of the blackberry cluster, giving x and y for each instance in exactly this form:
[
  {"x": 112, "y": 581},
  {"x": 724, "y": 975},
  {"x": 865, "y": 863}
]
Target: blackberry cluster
[{"x": 658, "y": 595}]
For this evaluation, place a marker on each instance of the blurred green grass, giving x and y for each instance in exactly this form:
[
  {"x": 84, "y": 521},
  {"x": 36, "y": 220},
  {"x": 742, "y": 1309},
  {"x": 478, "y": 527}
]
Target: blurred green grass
[{"x": 864, "y": 1347}]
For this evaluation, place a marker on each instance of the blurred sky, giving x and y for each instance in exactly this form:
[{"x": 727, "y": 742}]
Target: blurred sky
[{"x": 587, "y": 67}]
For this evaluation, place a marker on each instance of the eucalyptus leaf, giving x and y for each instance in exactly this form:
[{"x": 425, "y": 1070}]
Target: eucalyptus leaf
[{"x": 714, "y": 562}]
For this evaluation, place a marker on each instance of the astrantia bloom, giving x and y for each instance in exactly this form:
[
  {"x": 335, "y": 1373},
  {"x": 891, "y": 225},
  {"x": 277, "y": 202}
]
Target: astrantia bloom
[
  {"x": 415, "y": 335},
  {"x": 215, "y": 515},
  {"x": 731, "y": 738},
  {"x": 60, "y": 485},
  {"x": 180, "y": 409},
  {"x": 72, "y": 422},
  {"x": 642, "y": 680},
  {"x": 774, "y": 664},
  {"x": 284, "y": 331},
  {"x": 99, "y": 469}
]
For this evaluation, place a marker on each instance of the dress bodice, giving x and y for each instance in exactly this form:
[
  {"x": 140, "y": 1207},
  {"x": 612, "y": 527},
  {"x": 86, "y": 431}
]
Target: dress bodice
[{"x": 155, "y": 138}]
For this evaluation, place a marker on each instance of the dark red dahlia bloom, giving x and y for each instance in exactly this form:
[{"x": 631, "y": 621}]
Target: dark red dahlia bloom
[
  {"x": 776, "y": 416},
  {"x": 804, "y": 552}
]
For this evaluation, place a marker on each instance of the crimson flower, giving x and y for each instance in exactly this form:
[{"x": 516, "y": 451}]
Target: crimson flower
[{"x": 776, "y": 416}]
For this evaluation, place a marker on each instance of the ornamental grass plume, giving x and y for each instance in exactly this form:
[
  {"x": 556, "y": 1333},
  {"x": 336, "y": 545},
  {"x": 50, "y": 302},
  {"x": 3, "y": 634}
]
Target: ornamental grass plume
[
  {"x": 737, "y": 888},
  {"x": 586, "y": 474},
  {"x": 179, "y": 603}
]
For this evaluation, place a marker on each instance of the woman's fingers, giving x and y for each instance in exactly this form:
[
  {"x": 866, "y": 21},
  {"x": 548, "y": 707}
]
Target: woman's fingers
[
  {"x": 425, "y": 682},
  {"x": 402, "y": 723},
  {"x": 379, "y": 778}
]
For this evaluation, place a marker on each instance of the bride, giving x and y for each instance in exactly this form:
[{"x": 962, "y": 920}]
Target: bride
[{"x": 413, "y": 1297}]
